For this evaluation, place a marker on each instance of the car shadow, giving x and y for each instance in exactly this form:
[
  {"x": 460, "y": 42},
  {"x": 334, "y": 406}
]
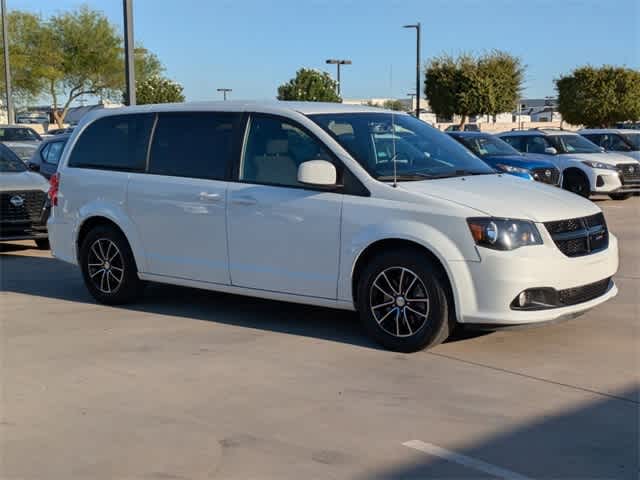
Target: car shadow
[{"x": 47, "y": 277}]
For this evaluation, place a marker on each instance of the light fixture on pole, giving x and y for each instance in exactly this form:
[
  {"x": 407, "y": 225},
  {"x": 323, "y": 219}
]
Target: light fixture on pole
[
  {"x": 7, "y": 68},
  {"x": 337, "y": 63},
  {"x": 129, "y": 66},
  {"x": 224, "y": 92},
  {"x": 418, "y": 28}
]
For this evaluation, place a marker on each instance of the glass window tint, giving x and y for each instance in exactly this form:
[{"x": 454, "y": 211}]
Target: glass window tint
[
  {"x": 44, "y": 152},
  {"x": 9, "y": 161},
  {"x": 53, "y": 152},
  {"x": 195, "y": 144},
  {"x": 515, "y": 142},
  {"x": 116, "y": 142},
  {"x": 536, "y": 144},
  {"x": 275, "y": 149}
]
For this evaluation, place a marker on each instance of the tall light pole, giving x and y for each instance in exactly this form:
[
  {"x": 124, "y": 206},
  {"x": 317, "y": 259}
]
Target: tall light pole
[
  {"x": 129, "y": 65},
  {"x": 337, "y": 63},
  {"x": 224, "y": 92},
  {"x": 418, "y": 31},
  {"x": 7, "y": 68}
]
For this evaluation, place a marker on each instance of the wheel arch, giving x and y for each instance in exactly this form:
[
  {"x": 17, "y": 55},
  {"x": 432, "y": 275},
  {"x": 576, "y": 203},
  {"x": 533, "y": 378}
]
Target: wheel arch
[
  {"x": 573, "y": 170},
  {"x": 387, "y": 244}
]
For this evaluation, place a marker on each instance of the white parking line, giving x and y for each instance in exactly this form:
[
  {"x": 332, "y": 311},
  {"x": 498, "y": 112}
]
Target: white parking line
[{"x": 437, "y": 451}]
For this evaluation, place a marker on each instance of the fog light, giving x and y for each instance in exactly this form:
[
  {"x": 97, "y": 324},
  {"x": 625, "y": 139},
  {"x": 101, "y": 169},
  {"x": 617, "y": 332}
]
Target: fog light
[
  {"x": 536, "y": 299},
  {"x": 600, "y": 181},
  {"x": 523, "y": 299}
]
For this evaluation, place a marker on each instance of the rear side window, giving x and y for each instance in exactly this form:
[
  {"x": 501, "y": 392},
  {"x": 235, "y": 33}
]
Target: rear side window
[
  {"x": 51, "y": 153},
  {"x": 117, "y": 142},
  {"x": 515, "y": 142},
  {"x": 195, "y": 144}
]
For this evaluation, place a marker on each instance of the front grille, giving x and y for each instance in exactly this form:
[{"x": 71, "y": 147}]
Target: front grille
[
  {"x": 546, "y": 175},
  {"x": 576, "y": 237},
  {"x": 30, "y": 210},
  {"x": 629, "y": 173},
  {"x": 573, "y": 296}
]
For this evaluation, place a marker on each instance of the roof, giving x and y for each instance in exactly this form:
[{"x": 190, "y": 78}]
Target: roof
[
  {"x": 607, "y": 130},
  {"x": 56, "y": 138},
  {"x": 268, "y": 106},
  {"x": 536, "y": 131}
]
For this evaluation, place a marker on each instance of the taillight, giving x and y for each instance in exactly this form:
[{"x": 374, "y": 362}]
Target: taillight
[{"x": 54, "y": 185}]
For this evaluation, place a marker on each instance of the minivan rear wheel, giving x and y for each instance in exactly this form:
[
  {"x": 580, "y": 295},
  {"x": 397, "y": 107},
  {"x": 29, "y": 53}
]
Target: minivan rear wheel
[
  {"x": 108, "y": 267},
  {"x": 402, "y": 301}
]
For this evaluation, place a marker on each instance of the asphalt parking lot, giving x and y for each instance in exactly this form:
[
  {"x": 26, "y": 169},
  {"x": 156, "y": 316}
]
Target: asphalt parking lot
[{"x": 190, "y": 384}]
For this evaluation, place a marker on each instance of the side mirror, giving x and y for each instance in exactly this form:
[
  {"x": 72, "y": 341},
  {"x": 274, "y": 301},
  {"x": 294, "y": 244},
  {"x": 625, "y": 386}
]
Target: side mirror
[
  {"x": 550, "y": 151},
  {"x": 34, "y": 167},
  {"x": 602, "y": 149},
  {"x": 318, "y": 173}
]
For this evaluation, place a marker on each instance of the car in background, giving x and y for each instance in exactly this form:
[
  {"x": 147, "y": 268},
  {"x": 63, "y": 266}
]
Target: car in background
[
  {"x": 58, "y": 131},
  {"x": 46, "y": 158},
  {"x": 585, "y": 167},
  {"x": 22, "y": 140},
  {"x": 504, "y": 158},
  {"x": 24, "y": 206},
  {"x": 622, "y": 141},
  {"x": 469, "y": 127}
]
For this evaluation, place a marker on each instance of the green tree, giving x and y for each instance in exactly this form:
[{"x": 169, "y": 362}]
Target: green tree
[
  {"x": 158, "y": 89},
  {"x": 27, "y": 52},
  {"x": 468, "y": 85},
  {"x": 90, "y": 60},
  {"x": 599, "y": 97},
  {"x": 310, "y": 85},
  {"x": 396, "y": 105}
]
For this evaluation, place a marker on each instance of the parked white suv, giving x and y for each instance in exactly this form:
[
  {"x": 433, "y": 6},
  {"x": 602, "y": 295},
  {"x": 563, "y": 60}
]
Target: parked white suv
[
  {"x": 586, "y": 168},
  {"x": 335, "y": 205},
  {"x": 623, "y": 142}
]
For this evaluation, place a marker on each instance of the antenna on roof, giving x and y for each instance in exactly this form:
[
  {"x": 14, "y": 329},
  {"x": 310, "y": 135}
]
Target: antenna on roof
[{"x": 393, "y": 131}]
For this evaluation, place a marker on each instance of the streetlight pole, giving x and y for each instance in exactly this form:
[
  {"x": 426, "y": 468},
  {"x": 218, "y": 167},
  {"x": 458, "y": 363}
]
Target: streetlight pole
[
  {"x": 224, "y": 92},
  {"x": 7, "y": 68},
  {"x": 337, "y": 63},
  {"x": 129, "y": 65},
  {"x": 418, "y": 28}
]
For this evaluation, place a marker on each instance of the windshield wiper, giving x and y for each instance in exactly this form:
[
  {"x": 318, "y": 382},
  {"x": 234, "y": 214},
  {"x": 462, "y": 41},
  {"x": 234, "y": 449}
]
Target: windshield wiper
[{"x": 403, "y": 177}]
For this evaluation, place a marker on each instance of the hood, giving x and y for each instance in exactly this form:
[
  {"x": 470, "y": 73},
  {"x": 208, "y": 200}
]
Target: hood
[
  {"x": 604, "y": 157},
  {"x": 10, "y": 181},
  {"x": 506, "y": 196},
  {"x": 24, "y": 150},
  {"x": 524, "y": 161}
]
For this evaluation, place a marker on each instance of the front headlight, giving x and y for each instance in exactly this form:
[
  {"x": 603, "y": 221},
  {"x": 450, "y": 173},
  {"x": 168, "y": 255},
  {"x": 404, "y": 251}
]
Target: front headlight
[
  {"x": 604, "y": 166},
  {"x": 503, "y": 233},
  {"x": 511, "y": 168}
]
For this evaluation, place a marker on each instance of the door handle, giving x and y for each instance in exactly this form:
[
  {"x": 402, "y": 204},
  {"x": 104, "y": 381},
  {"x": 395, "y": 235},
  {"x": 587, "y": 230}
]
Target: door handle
[
  {"x": 210, "y": 197},
  {"x": 244, "y": 200}
]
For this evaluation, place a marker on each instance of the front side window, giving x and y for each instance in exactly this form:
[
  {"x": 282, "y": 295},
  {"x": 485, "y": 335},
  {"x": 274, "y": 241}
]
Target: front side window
[
  {"x": 516, "y": 142},
  {"x": 52, "y": 152},
  {"x": 633, "y": 139},
  {"x": 274, "y": 149},
  {"x": 400, "y": 146},
  {"x": 117, "y": 142},
  {"x": 536, "y": 144},
  {"x": 194, "y": 144}
]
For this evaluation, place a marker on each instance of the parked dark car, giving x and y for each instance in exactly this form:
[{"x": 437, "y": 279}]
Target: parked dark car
[
  {"x": 469, "y": 127},
  {"x": 503, "y": 157},
  {"x": 45, "y": 159}
]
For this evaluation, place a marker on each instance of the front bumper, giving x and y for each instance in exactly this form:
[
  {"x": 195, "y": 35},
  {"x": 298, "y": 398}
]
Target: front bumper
[
  {"x": 489, "y": 287},
  {"x": 610, "y": 181}
]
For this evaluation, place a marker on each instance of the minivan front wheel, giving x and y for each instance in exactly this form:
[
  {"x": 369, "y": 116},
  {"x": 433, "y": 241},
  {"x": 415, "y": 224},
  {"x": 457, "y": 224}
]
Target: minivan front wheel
[
  {"x": 402, "y": 301},
  {"x": 108, "y": 266}
]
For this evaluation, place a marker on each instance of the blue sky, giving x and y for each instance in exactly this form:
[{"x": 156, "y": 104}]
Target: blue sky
[{"x": 254, "y": 45}]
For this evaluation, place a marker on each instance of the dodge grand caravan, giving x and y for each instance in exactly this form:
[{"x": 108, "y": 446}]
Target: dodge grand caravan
[{"x": 341, "y": 206}]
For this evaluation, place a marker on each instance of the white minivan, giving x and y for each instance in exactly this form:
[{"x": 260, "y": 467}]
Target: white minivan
[{"x": 340, "y": 206}]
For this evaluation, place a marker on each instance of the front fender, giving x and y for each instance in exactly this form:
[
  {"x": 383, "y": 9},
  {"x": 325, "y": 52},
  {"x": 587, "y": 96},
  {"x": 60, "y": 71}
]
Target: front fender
[
  {"x": 117, "y": 214},
  {"x": 427, "y": 236}
]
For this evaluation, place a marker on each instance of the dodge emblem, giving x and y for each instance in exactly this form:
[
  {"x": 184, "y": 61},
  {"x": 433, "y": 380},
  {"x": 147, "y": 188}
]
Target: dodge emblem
[{"x": 17, "y": 201}]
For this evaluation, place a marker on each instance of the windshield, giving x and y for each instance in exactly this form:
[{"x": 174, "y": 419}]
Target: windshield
[
  {"x": 18, "y": 134},
  {"x": 573, "y": 144},
  {"x": 633, "y": 139},
  {"x": 384, "y": 142},
  {"x": 9, "y": 162},
  {"x": 486, "y": 145}
]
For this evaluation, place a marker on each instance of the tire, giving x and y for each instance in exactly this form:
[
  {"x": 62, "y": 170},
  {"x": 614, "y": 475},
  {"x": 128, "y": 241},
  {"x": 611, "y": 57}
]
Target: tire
[
  {"x": 427, "y": 323},
  {"x": 110, "y": 276},
  {"x": 577, "y": 183},
  {"x": 620, "y": 196},
  {"x": 42, "y": 243}
]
